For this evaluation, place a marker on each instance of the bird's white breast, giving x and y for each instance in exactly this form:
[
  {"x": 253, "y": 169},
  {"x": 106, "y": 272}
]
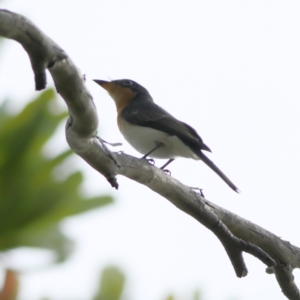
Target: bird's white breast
[{"x": 144, "y": 139}]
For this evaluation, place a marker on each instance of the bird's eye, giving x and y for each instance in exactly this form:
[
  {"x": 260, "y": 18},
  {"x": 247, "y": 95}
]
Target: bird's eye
[{"x": 127, "y": 82}]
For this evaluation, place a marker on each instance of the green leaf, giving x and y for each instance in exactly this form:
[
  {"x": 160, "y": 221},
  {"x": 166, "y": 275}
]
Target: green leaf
[
  {"x": 111, "y": 284},
  {"x": 32, "y": 201}
]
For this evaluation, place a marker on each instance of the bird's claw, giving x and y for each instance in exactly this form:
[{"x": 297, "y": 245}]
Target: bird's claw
[
  {"x": 105, "y": 142},
  {"x": 200, "y": 191},
  {"x": 151, "y": 161},
  {"x": 168, "y": 172},
  {"x": 114, "y": 144}
]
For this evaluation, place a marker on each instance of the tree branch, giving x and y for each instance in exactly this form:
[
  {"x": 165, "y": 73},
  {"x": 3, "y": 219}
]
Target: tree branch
[{"x": 236, "y": 234}]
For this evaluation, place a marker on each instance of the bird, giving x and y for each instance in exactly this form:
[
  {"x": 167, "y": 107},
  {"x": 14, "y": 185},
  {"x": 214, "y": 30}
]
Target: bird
[{"x": 153, "y": 131}]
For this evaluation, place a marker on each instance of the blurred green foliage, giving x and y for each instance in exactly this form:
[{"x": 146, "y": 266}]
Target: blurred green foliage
[
  {"x": 111, "y": 284},
  {"x": 32, "y": 200},
  {"x": 196, "y": 296}
]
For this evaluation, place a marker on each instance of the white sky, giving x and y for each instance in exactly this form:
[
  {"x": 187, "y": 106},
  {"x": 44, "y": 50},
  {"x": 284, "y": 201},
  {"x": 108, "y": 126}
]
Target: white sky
[{"x": 231, "y": 69}]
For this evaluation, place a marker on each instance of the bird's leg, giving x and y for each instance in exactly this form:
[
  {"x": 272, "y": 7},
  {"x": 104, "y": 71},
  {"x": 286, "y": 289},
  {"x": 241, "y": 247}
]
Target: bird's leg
[
  {"x": 151, "y": 151},
  {"x": 112, "y": 144},
  {"x": 151, "y": 161},
  {"x": 167, "y": 163}
]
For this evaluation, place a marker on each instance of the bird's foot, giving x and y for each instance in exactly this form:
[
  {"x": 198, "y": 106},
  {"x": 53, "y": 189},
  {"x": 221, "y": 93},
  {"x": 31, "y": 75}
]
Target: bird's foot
[
  {"x": 105, "y": 142},
  {"x": 167, "y": 163},
  {"x": 150, "y": 161},
  {"x": 168, "y": 172},
  {"x": 200, "y": 191}
]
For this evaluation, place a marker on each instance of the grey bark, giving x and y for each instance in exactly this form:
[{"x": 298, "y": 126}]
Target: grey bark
[{"x": 236, "y": 234}]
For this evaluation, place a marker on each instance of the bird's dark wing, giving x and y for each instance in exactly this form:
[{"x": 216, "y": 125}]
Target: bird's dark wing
[{"x": 148, "y": 114}]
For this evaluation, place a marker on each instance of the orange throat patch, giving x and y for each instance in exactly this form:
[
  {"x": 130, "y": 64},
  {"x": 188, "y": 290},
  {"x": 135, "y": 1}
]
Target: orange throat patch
[{"x": 121, "y": 95}]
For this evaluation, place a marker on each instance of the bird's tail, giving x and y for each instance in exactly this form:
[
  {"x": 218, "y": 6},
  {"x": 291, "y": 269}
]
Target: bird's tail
[{"x": 210, "y": 164}]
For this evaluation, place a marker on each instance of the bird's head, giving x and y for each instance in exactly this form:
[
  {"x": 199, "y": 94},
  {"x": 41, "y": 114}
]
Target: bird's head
[{"x": 123, "y": 91}]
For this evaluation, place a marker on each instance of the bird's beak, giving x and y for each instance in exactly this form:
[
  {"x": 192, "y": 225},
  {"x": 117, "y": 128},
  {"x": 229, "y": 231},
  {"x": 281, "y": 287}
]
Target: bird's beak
[
  {"x": 100, "y": 82},
  {"x": 107, "y": 85},
  {"x": 117, "y": 92}
]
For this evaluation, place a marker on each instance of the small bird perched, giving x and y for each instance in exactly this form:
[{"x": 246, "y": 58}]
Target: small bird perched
[{"x": 151, "y": 130}]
